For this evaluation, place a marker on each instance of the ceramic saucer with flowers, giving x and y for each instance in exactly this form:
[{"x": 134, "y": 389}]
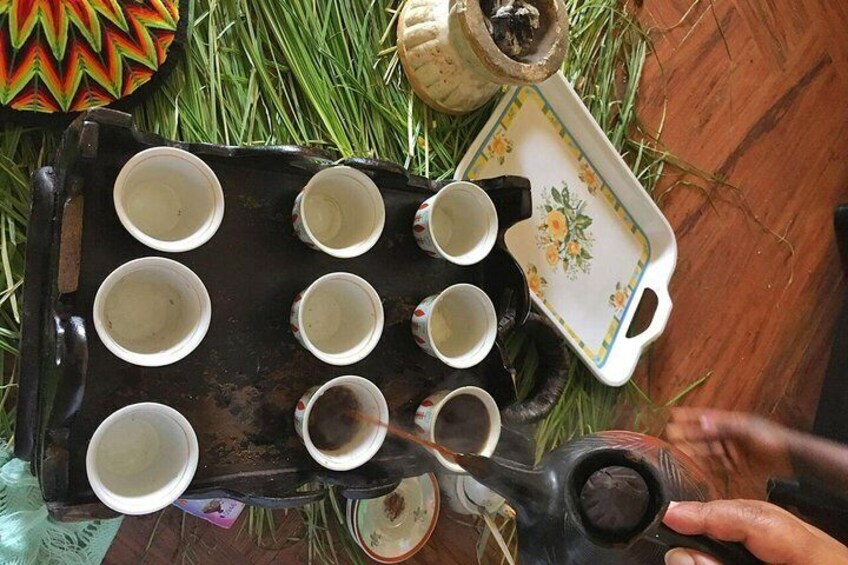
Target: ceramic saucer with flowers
[{"x": 393, "y": 528}]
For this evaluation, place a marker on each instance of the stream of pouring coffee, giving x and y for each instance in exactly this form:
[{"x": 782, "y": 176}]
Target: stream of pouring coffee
[{"x": 403, "y": 434}]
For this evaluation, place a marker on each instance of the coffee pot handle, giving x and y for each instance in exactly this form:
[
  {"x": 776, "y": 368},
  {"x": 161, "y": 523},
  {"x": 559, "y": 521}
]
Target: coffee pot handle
[
  {"x": 552, "y": 373},
  {"x": 726, "y": 552}
]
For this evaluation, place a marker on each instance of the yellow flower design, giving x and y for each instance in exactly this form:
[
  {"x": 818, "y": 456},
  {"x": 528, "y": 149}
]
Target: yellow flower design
[
  {"x": 564, "y": 233},
  {"x": 534, "y": 281},
  {"x": 552, "y": 255},
  {"x": 589, "y": 176},
  {"x": 619, "y": 299},
  {"x": 499, "y": 147},
  {"x": 557, "y": 225}
]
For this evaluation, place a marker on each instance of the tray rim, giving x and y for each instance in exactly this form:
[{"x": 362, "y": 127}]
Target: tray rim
[
  {"x": 560, "y": 99},
  {"x": 50, "y": 183}
]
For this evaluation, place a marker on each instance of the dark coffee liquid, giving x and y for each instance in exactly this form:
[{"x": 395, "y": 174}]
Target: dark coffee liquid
[
  {"x": 463, "y": 424},
  {"x": 403, "y": 434},
  {"x": 332, "y": 421}
]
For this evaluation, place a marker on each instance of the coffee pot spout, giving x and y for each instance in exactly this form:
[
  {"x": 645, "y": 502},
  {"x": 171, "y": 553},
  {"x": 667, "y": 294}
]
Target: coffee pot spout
[{"x": 521, "y": 486}]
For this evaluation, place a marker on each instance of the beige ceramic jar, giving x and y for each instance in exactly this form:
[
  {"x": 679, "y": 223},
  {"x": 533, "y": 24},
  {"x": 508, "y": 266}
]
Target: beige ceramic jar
[{"x": 453, "y": 62}]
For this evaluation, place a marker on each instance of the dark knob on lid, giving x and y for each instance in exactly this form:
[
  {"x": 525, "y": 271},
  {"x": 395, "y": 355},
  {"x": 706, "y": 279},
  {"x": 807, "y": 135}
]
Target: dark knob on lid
[{"x": 614, "y": 501}]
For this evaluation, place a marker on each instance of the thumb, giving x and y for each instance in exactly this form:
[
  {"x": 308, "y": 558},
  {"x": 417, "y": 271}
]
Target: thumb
[
  {"x": 681, "y": 556},
  {"x": 770, "y": 533}
]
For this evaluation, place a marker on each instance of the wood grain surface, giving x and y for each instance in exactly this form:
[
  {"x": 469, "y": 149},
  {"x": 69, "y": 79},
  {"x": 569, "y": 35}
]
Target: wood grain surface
[{"x": 756, "y": 90}]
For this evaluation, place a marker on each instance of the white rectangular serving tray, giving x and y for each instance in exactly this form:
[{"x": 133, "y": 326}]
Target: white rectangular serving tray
[{"x": 596, "y": 240}]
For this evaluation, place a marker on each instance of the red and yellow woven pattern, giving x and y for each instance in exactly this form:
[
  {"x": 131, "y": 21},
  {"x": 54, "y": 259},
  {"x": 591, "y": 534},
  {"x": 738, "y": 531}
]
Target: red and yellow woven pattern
[{"x": 72, "y": 55}]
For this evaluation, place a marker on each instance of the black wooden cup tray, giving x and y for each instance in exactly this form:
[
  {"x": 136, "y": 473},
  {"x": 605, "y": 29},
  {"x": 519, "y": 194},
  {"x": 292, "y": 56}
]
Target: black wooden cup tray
[{"x": 240, "y": 386}]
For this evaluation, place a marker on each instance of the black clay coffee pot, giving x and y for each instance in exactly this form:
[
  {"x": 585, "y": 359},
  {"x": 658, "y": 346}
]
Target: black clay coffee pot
[{"x": 601, "y": 499}]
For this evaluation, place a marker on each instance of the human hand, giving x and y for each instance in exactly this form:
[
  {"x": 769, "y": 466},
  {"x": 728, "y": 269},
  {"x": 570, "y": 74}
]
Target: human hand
[
  {"x": 770, "y": 533},
  {"x": 736, "y": 442}
]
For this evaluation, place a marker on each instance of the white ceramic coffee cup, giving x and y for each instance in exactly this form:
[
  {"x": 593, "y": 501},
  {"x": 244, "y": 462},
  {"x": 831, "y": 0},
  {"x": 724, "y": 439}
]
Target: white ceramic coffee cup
[
  {"x": 368, "y": 438},
  {"x": 457, "y": 326},
  {"x": 339, "y": 318},
  {"x": 428, "y": 414},
  {"x": 152, "y": 311},
  {"x": 169, "y": 199},
  {"x": 459, "y": 223},
  {"x": 141, "y": 458},
  {"x": 340, "y": 211}
]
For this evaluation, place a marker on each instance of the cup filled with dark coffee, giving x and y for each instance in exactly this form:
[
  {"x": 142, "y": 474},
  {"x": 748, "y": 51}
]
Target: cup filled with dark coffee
[
  {"x": 334, "y": 421},
  {"x": 464, "y": 420}
]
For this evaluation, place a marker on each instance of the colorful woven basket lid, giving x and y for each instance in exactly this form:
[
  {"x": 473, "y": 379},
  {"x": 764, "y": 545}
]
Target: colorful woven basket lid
[{"x": 60, "y": 57}]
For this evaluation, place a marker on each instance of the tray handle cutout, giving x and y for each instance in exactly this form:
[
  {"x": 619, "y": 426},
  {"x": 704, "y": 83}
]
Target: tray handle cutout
[
  {"x": 67, "y": 387},
  {"x": 661, "y": 314},
  {"x": 72, "y": 362},
  {"x": 70, "y": 239},
  {"x": 628, "y": 351}
]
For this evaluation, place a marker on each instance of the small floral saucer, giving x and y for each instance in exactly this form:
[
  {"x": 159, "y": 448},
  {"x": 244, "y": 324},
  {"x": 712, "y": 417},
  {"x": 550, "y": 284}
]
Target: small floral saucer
[{"x": 393, "y": 528}]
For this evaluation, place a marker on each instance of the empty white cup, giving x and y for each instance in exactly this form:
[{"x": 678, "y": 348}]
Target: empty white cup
[
  {"x": 169, "y": 199},
  {"x": 457, "y": 326},
  {"x": 152, "y": 311},
  {"x": 142, "y": 458},
  {"x": 340, "y": 211},
  {"x": 367, "y": 439},
  {"x": 339, "y": 318},
  {"x": 459, "y": 223}
]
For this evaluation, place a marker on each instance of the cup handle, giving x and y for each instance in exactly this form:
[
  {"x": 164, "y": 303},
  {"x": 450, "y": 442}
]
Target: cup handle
[
  {"x": 725, "y": 552},
  {"x": 552, "y": 373}
]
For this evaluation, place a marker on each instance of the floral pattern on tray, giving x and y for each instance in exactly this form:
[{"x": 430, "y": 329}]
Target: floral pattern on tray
[
  {"x": 535, "y": 281},
  {"x": 589, "y": 176},
  {"x": 564, "y": 225},
  {"x": 564, "y": 233},
  {"x": 618, "y": 300},
  {"x": 499, "y": 146}
]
